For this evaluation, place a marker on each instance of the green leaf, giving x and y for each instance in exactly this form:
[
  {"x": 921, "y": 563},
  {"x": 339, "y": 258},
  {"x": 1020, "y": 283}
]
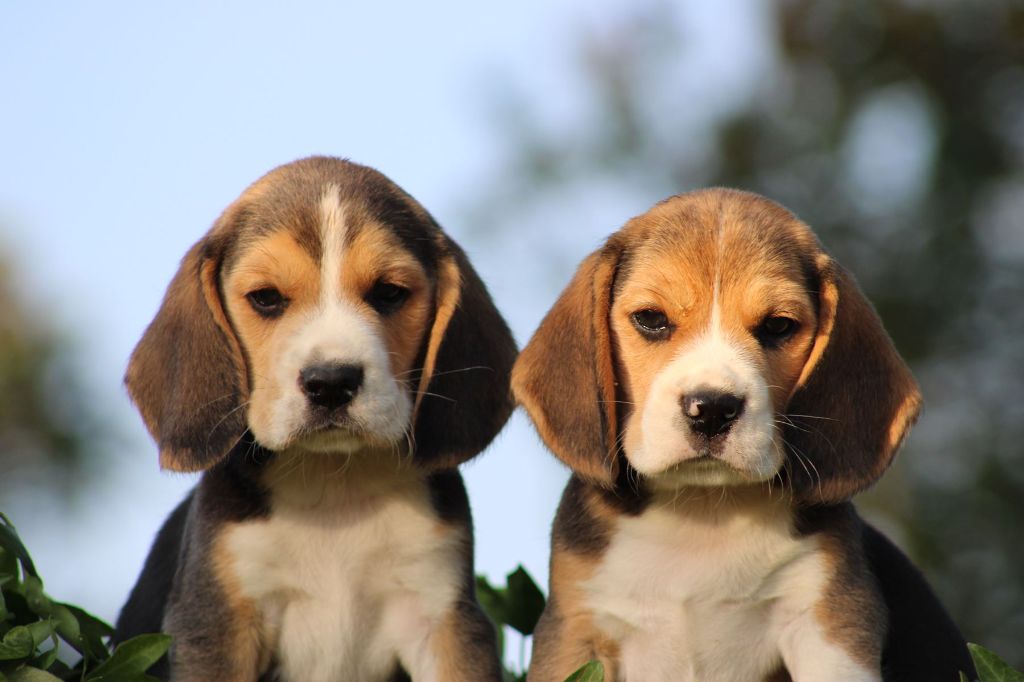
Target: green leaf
[
  {"x": 38, "y": 602},
  {"x": 17, "y": 643},
  {"x": 67, "y": 624},
  {"x": 492, "y": 599},
  {"x": 90, "y": 624},
  {"x": 10, "y": 541},
  {"x": 131, "y": 659},
  {"x": 29, "y": 674},
  {"x": 45, "y": 660},
  {"x": 991, "y": 668},
  {"x": 92, "y": 630},
  {"x": 591, "y": 672},
  {"x": 524, "y": 601},
  {"x": 41, "y": 631}
]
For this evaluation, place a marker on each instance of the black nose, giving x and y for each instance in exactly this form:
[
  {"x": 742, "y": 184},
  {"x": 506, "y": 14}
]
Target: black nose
[
  {"x": 331, "y": 385},
  {"x": 712, "y": 413}
]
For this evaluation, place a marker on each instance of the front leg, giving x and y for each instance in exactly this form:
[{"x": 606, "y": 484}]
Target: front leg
[
  {"x": 562, "y": 643},
  {"x": 214, "y": 638},
  {"x": 461, "y": 647},
  {"x": 217, "y": 633},
  {"x": 813, "y": 654}
]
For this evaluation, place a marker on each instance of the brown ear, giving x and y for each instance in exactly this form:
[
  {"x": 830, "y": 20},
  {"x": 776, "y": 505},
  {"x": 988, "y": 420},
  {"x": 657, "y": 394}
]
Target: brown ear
[
  {"x": 855, "y": 399},
  {"x": 565, "y": 377},
  {"x": 186, "y": 375},
  {"x": 463, "y": 399}
]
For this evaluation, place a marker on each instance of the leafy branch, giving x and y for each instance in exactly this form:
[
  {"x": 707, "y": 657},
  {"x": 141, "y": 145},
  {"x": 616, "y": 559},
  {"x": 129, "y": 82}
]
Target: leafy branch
[{"x": 33, "y": 628}]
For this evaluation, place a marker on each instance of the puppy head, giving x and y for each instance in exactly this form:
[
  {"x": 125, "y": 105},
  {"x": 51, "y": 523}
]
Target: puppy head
[
  {"x": 325, "y": 311},
  {"x": 712, "y": 341}
]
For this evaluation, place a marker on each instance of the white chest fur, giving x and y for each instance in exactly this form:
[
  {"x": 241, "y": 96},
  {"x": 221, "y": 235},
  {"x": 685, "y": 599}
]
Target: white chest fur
[
  {"x": 691, "y": 593},
  {"x": 348, "y": 582}
]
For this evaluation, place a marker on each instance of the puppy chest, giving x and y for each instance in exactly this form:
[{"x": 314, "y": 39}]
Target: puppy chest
[
  {"x": 339, "y": 594},
  {"x": 695, "y": 603}
]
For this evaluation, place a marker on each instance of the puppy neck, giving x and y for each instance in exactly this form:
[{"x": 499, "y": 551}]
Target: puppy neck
[
  {"x": 715, "y": 505},
  {"x": 300, "y": 478}
]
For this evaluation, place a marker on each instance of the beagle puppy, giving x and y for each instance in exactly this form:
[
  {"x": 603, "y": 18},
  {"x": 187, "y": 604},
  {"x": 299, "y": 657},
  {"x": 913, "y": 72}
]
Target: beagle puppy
[
  {"x": 720, "y": 388},
  {"x": 326, "y": 356}
]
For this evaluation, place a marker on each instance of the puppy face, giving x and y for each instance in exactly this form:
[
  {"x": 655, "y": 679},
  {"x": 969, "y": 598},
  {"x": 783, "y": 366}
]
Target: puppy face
[
  {"x": 712, "y": 341},
  {"x": 331, "y": 332},
  {"x": 712, "y": 324},
  {"x": 324, "y": 311}
]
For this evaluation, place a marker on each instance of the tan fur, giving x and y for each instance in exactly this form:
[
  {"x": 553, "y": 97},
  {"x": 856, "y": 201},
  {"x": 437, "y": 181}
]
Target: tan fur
[
  {"x": 573, "y": 349},
  {"x": 247, "y": 653},
  {"x": 851, "y": 603},
  {"x": 858, "y": 392},
  {"x": 278, "y": 260},
  {"x": 221, "y": 378},
  {"x": 566, "y": 638},
  {"x": 677, "y": 274},
  {"x": 274, "y": 260},
  {"x": 375, "y": 254},
  {"x": 449, "y": 282},
  {"x": 837, "y": 402}
]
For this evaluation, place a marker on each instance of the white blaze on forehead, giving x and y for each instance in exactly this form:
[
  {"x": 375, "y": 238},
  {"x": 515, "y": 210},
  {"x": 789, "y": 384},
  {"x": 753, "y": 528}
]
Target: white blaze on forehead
[
  {"x": 337, "y": 331},
  {"x": 710, "y": 362},
  {"x": 333, "y": 228},
  {"x": 716, "y": 286}
]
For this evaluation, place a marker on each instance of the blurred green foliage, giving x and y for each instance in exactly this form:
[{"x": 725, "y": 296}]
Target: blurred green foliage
[
  {"x": 895, "y": 129},
  {"x": 50, "y": 430}
]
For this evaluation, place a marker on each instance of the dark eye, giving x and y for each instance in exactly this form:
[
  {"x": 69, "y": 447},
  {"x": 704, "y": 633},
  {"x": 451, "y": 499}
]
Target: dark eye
[
  {"x": 775, "y": 329},
  {"x": 386, "y": 297},
  {"x": 268, "y": 302},
  {"x": 651, "y": 323}
]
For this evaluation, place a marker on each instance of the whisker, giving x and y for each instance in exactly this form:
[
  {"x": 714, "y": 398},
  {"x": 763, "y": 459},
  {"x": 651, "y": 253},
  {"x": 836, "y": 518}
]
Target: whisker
[
  {"x": 789, "y": 422},
  {"x": 288, "y": 467},
  {"x": 345, "y": 464},
  {"x": 438, "y": 395},
  {"x": 811, "y": 429},
  {"x": 804, "y": 461},
  {"x": 220, "y": 421},
  {"x": 420, "y": 370}
]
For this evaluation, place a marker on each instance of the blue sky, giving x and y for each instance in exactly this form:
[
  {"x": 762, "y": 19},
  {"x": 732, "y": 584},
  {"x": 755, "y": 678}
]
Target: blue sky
[{"x": 125, "y": 128}]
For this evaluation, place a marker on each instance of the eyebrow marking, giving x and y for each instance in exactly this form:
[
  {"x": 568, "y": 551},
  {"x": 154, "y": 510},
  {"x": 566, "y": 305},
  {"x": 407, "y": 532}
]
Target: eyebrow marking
[{"x": 333, "y": 230}]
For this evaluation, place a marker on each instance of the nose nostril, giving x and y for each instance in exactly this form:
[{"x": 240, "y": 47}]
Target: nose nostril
[
  {"x": 694, "y": 407},
  {"x": 331, "y": 385},
  {"x": 712, "y": 413}
]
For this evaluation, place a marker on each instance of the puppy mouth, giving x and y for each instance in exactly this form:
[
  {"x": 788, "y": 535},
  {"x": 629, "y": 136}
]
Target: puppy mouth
[
  {"x": 329, "y": 438},
  {"x": 337, "y": 433},
  {"x": 704, "y": 461},
  {"x": 705, "y": 469}
]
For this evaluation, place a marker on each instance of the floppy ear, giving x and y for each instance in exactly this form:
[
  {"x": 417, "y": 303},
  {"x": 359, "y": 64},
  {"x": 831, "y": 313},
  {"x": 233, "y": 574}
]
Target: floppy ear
[
  {"x": 565, "y": 376},
  {"x": 855, "y": 399},
  {"x": 187, "y": 374},
  {"x": 463, "y": 399}
]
